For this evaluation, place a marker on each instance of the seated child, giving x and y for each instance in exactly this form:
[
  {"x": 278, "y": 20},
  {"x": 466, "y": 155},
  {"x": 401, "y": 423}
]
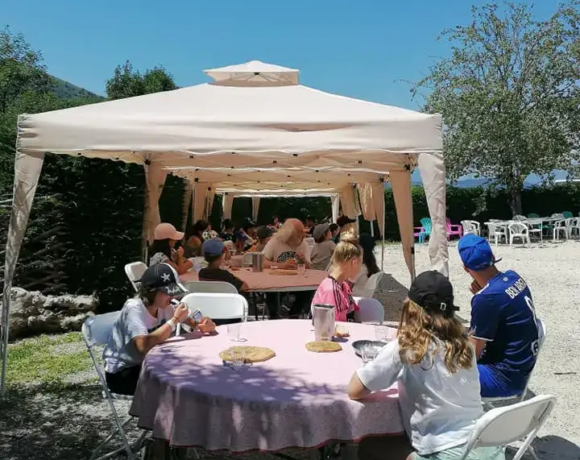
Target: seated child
[
  {"x": 335, "y": 290},
  {"x": 214, "y": 252},
  {"x": 264, "y": 233},
  {"x": 435, "y": 367},
  {"x": 324, "y": 247}
]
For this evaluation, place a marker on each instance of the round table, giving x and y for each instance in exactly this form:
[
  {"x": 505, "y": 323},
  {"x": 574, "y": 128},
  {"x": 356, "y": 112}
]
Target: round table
[{"x": 187, "y": 396}]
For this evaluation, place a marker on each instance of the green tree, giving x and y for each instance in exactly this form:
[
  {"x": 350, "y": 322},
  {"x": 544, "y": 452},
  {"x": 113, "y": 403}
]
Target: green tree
[
  {"x": 509, "y": 95},
  {"x": 127, "y": 82}
]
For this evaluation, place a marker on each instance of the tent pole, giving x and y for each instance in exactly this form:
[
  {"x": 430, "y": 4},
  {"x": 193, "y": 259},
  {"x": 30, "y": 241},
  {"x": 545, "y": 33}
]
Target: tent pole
[
  {"x": 383, "y": 235},
  {"x": 372, "y": 222},
  {"x": 5, "y": 331}
]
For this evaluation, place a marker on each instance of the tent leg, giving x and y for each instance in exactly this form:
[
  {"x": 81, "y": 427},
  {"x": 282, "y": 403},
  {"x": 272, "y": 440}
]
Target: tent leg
[
  {"x": 383, "y": 236},
  {"x": 5, "y": 331},
  {"x": 372, "y": 222}
]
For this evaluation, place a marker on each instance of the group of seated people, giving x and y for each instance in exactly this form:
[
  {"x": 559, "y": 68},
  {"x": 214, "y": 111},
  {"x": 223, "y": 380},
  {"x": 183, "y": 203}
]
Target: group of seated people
[{"x": 443, "y": 369}]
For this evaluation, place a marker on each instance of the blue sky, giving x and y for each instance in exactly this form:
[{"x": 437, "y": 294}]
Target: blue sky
[
  {"x": 358, "y": 49},
  {"x": 366, "y": 50}
]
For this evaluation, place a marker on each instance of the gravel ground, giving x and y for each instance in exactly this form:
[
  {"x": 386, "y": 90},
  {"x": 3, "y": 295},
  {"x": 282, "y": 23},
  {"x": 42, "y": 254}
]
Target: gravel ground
[
  {"x": 66, "y": 421},
  {"x": 550, "y": 270}
]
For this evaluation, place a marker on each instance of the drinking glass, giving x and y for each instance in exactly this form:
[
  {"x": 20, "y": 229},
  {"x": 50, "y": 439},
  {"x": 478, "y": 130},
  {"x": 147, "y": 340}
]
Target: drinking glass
[
  {"x": 234, "y": 332},
  {"x": 368, "y": 353},
  {"x": 273, "y": 266},
  {"x": 238, "y": 355},
  {"x": 382, "y": 333},
  {"x": 301, "y": 269}
]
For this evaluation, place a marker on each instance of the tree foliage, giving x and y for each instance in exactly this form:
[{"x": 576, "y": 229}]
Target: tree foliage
[
  {"x": 509, "y": 95},
  {"x": 127, "y": 82}
]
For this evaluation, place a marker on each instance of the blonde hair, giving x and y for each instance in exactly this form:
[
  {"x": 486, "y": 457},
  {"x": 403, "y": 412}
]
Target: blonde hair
[
  {"x": 348, "y": 248},
  {"x": 289, "y": 233},
  {"x": 417, "y": 330}
]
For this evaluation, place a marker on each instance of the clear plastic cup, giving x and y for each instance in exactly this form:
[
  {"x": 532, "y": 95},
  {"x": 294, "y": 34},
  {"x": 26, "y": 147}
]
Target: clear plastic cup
[
  {"x": 301, "y": 269},
  {"x": 382, "y": 333},
  {"x": 368, "y": 353},
  {"x": 234, "y": 332},
  {"x": 238, "y": 355},
  {"x": 273, "y": 266}
]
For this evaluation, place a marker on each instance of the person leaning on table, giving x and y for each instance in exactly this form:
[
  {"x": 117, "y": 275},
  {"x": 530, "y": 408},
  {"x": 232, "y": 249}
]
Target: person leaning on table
[
  {"x": 504, "y": 327},
  {"x": 146, "y": 320}
]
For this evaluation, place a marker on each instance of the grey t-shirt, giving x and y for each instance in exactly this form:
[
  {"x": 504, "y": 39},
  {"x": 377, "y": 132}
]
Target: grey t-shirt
[
  {"x": 134, "y": 321},
  {"x": 321, "y": 254}
]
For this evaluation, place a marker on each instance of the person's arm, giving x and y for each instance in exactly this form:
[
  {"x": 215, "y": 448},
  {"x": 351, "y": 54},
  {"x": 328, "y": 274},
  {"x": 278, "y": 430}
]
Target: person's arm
[
  {"x": 377, "y": 375},
  {"x": 144, "y": 343},
  {"x": 485, "y": 319},
  {"x": 180, "y": 268}
]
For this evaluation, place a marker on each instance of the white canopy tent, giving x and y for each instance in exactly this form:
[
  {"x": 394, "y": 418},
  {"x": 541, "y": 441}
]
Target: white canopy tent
[{"x": 252, "y": 116}]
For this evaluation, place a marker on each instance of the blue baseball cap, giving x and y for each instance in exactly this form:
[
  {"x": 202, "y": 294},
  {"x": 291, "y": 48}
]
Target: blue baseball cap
[
  {"x": 476, "y": 253},
  {"x": 213, "y": 247}
]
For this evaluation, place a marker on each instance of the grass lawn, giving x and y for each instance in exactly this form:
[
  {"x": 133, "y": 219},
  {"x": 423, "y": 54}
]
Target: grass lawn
[{"x": 47, "y": 359}]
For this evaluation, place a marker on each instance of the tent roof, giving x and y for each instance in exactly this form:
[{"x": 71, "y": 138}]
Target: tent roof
[{"x": 240, "y": 124}]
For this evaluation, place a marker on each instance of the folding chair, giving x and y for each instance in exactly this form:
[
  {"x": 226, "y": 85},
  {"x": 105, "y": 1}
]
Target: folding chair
[
  {"x": 370, "y": 310},
  {"x": 218, "y": 305},
  {"x": 505, "y": 425},
  {"x": 488, "y": 402},
  {"x": 134, "y": 272},
  {"x": 96, "y": 331}
]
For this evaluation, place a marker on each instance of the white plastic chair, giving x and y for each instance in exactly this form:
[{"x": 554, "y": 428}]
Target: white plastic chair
[
  {"x": 542, "y": 333},
  {"x": 370, "y": 310},
  {"x": 96, "y": 331},
  {"x": 373, "y": 285},
  {"x": 218, "y": 305},
  {"x": 505, "y": 425},
  {"x": 536, "y": 226},
  {"x": 520, "y": 231},
  {"x": 496, "y": 232},
  {"x": 134, "y": 272},
  {"x": 471, "y": 226},
  {"x": 520, "y": 218},
  {"x": 219, "y": 287},
  {"x": 574, "y": 228},
  {"x": 560, "y": 227}
]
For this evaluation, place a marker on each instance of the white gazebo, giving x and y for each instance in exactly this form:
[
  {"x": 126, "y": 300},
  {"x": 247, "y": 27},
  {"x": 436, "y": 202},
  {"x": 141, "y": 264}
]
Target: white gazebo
[{"x": 253, "y": 130}]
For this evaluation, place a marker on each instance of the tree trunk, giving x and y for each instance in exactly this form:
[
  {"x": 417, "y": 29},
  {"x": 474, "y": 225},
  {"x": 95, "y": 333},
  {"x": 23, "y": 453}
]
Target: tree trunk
[{"x": 515, "y": 197}]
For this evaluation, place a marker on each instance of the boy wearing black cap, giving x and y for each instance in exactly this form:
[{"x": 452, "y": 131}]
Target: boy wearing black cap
[
  {"x": 504, "y": 328},
  {"x": 145, "y": 321},
  {"x": 342, "y": 222}
]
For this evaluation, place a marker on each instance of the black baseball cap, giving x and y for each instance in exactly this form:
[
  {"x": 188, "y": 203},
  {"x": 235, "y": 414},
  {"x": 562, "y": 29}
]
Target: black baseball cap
[
  {"x": 434, "y": 292},
  {"x": 344, "y": 220},
  {"x": 162, "y": 277}
]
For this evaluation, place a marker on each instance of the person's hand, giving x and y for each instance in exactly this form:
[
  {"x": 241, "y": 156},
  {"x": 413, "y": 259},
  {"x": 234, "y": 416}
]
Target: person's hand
[
  {"x": 206, "y": 326},
  {"x": 181, "y": 313},
  {"x": 300, "y": 257},
  {"x": 180, "y": 251},
  {"x": 290, "y": 264},
  {"x": 474, "y": 288}
]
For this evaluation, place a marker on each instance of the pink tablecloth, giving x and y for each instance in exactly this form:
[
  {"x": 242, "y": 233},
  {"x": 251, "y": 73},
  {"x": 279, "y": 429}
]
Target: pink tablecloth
[
  {"x": 297, "y": 399},
  {"x": 264, "y": 281}
]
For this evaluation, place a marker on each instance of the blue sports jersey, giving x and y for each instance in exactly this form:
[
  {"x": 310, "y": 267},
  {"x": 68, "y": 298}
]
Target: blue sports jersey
[{"x": 503, "y": 315}]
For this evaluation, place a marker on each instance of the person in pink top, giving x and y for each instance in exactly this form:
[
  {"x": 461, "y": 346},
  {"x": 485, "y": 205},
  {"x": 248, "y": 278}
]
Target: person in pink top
[{"x": 335, "y": 290}]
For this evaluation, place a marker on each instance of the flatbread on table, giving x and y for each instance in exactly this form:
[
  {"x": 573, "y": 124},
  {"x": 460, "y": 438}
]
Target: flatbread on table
[
  {"x": 281, "y": 272},
  {"x": 323, "y": 346},
  {"x": 252, "y": 354}
]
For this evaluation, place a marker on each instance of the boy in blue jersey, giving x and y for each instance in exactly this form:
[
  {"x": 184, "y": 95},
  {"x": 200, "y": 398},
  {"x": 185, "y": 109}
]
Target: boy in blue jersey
[{"x": 504, "y": 329}]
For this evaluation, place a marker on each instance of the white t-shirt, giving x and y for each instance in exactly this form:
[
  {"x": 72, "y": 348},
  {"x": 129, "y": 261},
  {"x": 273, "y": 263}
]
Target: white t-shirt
[
  {"x": 134, "y": 321},
  {"x": 276, "y": 251},
  {"x": 439, "y": 409}
]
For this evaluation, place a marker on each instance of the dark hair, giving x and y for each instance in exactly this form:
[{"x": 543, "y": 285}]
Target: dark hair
[
  {"x": 248, "y": 224},
  {"x": 160, "y": 246},
  {"x": 227, "y": 224},
  {"x": 310, "y": 218},
  {"x": 333, "y": 227},
  {"x": 367, "y": 242},
  {"x": 196, "y": 229},
  {"x": 211, "y": 259},
  {"x": 147, "y": 295}
]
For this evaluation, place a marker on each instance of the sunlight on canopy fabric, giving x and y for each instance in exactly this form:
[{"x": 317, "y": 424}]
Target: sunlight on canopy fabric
[
  {"x": 155, "y": 177},
  {"x": 227, "y": 205},
  {"x": 254, "y": 115},
  {"x": 255, "y": 208},
  {"x": 401, "y": 186}
]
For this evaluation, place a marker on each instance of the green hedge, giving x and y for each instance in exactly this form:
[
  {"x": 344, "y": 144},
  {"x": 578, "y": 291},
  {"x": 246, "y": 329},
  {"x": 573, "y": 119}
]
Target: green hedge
[{"x": 86, "y": 221}]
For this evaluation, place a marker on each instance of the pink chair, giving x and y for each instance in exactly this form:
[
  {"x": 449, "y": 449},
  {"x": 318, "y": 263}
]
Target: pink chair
[{"x": 452, "y": 230}]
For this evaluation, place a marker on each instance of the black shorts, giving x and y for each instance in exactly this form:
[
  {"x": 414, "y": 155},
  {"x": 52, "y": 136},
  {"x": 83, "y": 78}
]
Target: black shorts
[{"x": 124, "y": 381}]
